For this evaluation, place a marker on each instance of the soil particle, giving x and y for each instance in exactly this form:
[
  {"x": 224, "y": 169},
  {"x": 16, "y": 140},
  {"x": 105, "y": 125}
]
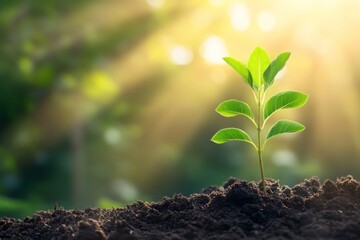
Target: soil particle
[
  {"x": 235, "y": 210},
  {"x": 89, "y": 230}
]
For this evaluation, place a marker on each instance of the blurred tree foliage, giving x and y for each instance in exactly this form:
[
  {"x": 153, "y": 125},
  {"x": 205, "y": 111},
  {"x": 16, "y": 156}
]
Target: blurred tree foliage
[
  {"x": 46, "y": 62},
  {"x": 31, "y": 69}
]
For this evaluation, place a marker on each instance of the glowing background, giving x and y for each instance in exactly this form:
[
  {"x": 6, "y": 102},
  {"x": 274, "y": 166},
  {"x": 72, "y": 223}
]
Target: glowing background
[{"x": 106, "y": 102}]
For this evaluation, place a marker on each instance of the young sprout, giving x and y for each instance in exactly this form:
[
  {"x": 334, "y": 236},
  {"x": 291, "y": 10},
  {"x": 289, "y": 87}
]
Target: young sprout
[{"x": 259, "y": 74}]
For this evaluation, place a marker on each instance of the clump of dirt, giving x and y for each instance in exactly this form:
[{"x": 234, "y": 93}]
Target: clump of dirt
[{"x": 236, "y": 210}]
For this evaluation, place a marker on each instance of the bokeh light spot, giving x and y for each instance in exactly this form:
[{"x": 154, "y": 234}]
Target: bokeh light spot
[
  {"x": 213, "y": 50},
  {"x": 266, "y": 21},
  {"x": 99, "y": 86},
  {"x": 181, "y": 55},
  {"x": 125, "y": 189},
  {"x": 25, "y": 66},
  {"x": 112, "y": 136},
  {"x": 155, "y": 3},
  {"x": 284, "y": 158},
  {"x": 240, "y": 19}
]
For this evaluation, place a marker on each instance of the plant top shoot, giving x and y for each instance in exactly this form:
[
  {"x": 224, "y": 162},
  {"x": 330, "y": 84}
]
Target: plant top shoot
[{"x": 259, "y": 74}]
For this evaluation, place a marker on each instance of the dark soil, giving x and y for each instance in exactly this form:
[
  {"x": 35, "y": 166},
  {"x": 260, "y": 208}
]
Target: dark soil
[{"x": 236, "y": 210}]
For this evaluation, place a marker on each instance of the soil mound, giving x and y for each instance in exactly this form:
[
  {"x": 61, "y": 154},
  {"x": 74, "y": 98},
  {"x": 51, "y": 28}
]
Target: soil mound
[{"x": 236, "y": 210}]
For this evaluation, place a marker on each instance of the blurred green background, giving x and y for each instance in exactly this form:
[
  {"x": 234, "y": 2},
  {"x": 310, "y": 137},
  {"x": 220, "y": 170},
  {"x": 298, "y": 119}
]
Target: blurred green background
[{"x": 106, "y": 102}]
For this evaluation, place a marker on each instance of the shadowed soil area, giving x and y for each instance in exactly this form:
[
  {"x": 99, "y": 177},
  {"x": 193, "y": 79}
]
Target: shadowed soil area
[{"x": 236, "y": 210}]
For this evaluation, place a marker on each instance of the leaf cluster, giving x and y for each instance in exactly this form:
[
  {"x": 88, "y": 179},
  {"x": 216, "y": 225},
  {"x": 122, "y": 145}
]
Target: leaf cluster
[{"x": 259, "y": 74}]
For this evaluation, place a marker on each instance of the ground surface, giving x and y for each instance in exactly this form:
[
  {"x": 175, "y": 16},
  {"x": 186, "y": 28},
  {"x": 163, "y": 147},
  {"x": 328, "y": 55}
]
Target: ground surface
[{"x": 236, "y": 210}]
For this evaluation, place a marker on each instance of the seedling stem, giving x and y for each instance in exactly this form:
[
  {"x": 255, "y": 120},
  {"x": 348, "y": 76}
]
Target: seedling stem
[{"x": 259, "y": 147}]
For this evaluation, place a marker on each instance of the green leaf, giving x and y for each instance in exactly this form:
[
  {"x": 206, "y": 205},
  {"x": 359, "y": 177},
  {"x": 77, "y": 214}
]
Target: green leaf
[
  {"x": 274, "y": 68},
  {"x": 232, "y": 107},
  {"x": 288, "y": 99},
  {"x": 257, "y": 64},
  {"x": 231, "y": 134},
  {"x": 241, "y": 69},
  {"x": 284, "y": 126}
]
